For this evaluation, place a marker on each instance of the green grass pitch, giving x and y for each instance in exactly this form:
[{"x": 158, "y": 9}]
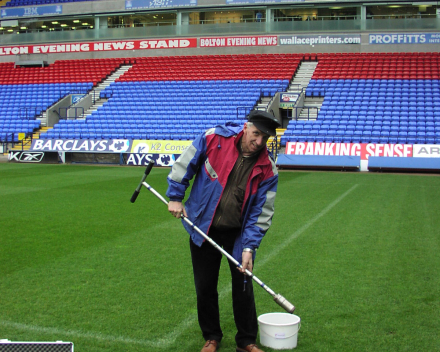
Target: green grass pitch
[{"x": 358, "y": 254}]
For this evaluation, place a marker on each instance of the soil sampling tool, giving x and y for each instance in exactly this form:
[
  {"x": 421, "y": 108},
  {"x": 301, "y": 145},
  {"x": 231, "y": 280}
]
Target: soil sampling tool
[{"x": 280, "y": 300}]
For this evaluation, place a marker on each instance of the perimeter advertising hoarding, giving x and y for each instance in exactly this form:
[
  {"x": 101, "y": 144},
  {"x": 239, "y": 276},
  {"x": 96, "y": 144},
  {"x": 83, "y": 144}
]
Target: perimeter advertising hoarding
[
  {"x": 110, "y": 146},
  {"x": 25, "y": 157},
  {"x": 144, "y": 159},
  {"x": 31, "y": 11},
  {"x": 82, "y": 145},
  {"x": 162, "y": 152},
  {"x": 266, "y": 40},
  {"x": 159, "y": 146},
  {"x": 364, "y": 150},
  {"x": 151, "y": 4},
  {"x": 350, "y": 149},
  {"x": 426, "y": 151},
  {"x": 116, "y": 45},
  {"x": 404, "y": 38},
  {"x": 313, "y": 40},
  {"x": 139, "y": 152}
]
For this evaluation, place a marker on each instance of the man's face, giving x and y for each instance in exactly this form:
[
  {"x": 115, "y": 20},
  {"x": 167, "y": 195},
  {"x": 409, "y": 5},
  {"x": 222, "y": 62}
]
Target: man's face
[{"x": 253, "y": 139}]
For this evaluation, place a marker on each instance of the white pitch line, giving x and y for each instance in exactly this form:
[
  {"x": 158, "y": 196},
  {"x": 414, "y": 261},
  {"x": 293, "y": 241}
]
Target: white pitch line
[
  {"x": 171, "y": 337},
  {"x": 76, "y": 334},
  {"x": 302, "y": 229}
]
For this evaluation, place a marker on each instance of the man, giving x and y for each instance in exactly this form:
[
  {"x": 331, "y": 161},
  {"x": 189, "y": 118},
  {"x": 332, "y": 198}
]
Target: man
[
  {"x": 232, "y": 200},
  {"x": 259, "y": 16}
]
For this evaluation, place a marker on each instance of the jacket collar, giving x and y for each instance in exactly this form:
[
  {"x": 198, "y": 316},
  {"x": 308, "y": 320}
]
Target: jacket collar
[{"x": 228, "y": 129}]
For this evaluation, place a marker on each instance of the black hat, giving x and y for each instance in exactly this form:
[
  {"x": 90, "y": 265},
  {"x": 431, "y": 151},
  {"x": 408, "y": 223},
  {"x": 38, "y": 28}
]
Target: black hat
[{"x": 264, "y": 121}]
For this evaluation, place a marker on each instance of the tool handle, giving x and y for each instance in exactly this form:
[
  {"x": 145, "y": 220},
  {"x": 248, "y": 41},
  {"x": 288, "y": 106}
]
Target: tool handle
[
  {"x": 138, "y": 189},
  {"x": 148, "y": 169},
  {"x": 134, "y": 196},
  {"x": 157, "y": 194}
]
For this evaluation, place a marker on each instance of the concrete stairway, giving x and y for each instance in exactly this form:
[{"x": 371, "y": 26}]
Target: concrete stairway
[{"x": 96, "y": 92}]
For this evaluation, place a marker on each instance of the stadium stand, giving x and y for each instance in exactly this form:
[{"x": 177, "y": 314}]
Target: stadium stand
[
  {"x": 62, "y": 71},
  {"x": 373, "y": 98},
  {"x": 26, "y": 92},
  {"x": 139, "y": 71},
  {"x": 368, "y": 98},
  {"x": 166, "y": 98}
]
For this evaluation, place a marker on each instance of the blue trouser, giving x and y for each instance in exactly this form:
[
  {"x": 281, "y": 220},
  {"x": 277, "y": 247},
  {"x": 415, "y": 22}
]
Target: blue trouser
[{"x": 206, "y": 262}]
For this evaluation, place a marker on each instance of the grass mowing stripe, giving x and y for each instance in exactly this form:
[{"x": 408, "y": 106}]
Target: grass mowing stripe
[
  {"x": 355, "y": 276},
  {"x": 77, "y": 256},
  {"x": 191, "y": 319},
  {"x": 92, "y": 273},
  {"x": 162, "y": 342},
  {"x": 76, "y": 207},
  {"x": 225, "y": 291}
]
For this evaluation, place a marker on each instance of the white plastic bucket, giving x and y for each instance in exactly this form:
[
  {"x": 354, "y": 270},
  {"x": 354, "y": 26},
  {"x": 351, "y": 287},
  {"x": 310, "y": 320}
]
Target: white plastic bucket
[{"x": 279, "y": 330}]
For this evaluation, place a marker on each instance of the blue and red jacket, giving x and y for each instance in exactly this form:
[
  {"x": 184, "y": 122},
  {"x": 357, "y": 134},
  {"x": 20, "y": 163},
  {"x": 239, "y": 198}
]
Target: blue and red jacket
[{"x": 211, "y": 158}]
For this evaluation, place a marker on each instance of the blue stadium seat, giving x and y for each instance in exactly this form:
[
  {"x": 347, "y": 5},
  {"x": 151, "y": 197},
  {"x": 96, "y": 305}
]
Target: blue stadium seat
[
  {"x": 421, "y": 137},
  {"x": 430, "y": 137},
  {"x": 375, "y": 137},
  {"x": 411, "y": 138},
  {"x": 357, "y": 136}
]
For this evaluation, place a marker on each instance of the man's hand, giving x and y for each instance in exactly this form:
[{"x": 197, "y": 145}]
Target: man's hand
[
  {"x": 176, "y": 209},
  {"x": 246, "y": 258}
]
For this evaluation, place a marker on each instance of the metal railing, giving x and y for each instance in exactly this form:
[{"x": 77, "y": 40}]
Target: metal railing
[
  {"x": 301, "y": 108},
  {"x": 273, "y": 146},
  {"x": 30, "y": 112},
  {"x": 223, "y": 20},
  {"x": 8, "y": 138},
  {"x": 245, "y": 109},
  {"x": 401, "y": 16},
  {"x": 94, "y": 94},
  {"x": 276, "y": 27},
  {"x": 68, "y": 109},
  {"x": 11, "y": 141},
  {"x": 320, "y": 93},
  {"x": 297, "y": 85}
]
